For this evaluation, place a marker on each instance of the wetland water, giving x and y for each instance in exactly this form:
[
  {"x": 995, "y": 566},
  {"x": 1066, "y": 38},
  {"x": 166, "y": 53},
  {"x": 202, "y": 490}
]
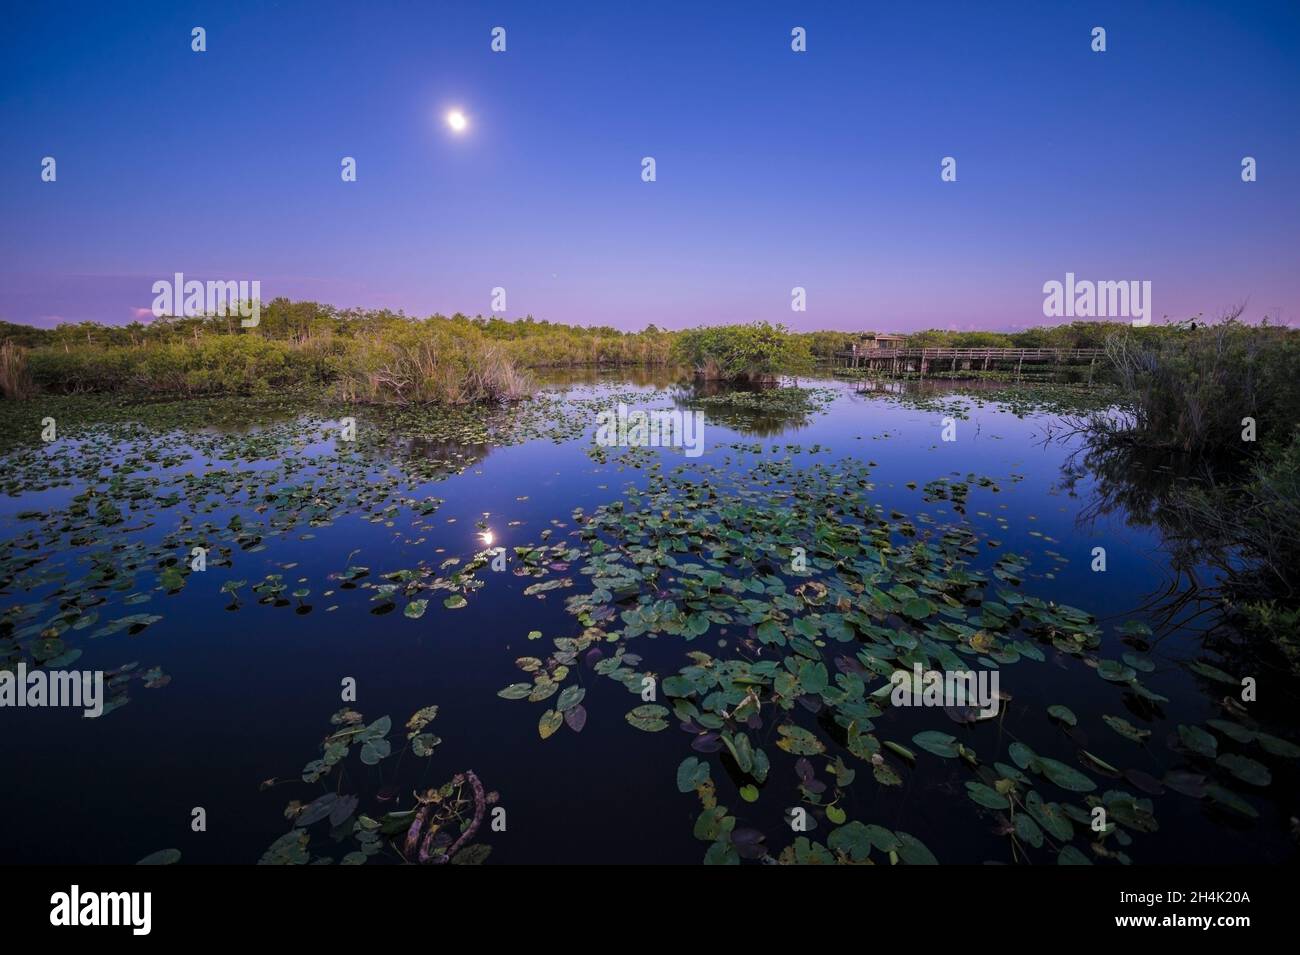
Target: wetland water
[{"x": 369, "y": 561}]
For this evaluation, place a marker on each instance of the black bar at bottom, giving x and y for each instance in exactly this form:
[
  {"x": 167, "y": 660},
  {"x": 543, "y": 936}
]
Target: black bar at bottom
[{"x": 215, "y": 904}]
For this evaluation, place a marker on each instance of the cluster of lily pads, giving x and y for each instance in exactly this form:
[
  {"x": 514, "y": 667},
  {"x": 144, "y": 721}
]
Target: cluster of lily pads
[
  {"x": 806, "y": 655},
  {"x": 792, "y": 400},
  {"x": 959, "y": 399},
  {"x": 279, "y": 464},
  {"x": 440, "y": 824}
]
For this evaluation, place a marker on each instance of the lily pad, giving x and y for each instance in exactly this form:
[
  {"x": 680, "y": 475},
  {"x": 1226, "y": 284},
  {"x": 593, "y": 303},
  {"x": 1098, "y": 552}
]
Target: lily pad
[
  {"x": 1067, "y": 777},
  {"x": 549, "y": 722},
  {"x": 941, "y": 744},
  {"x": 161, "y": 857},
  {"x": 1245, "y": 769},
  {"x": 1063, "y": 713},
  {"x": 650, "y": 717}
]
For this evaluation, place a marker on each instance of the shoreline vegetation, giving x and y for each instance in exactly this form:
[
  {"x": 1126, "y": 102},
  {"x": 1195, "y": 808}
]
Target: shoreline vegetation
[
  {"x": 1215, "y": 409},
  {"x": 385, "y": 357}
]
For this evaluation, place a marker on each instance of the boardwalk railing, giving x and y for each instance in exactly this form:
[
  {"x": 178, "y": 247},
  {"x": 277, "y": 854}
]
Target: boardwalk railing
[
  {"x": 952, "y": 361},
  {"x": 979, "y": 354}
]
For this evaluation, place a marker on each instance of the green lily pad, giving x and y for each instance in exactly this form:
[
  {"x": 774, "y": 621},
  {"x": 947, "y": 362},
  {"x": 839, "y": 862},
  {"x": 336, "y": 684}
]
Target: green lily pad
[
  {"x": 1126, "y": 729},
  {"x": 1050, "y": 816},
  {"x": 650, "y": 717},
  {"x": 1115, "y": 672},
  {"x": 1062, "y": 713},
  {"x": 570, "y": 698},
  {"x": 1229, "y": 799},
  {"x": 691, "y": 773},
  {"x": 549, "y": 722},
  {"x": 161, "y": 857},
  {"x": 987, "y": 796},
  {"x": 1067, "y": 777},
  {"x": 1198, "y": 741},
  {"x": 941, "y": 744},
  {"x": 1069, "y": 855},
  {"x": 797, "y": 740},
  {"x": 1245, "y": 769}
]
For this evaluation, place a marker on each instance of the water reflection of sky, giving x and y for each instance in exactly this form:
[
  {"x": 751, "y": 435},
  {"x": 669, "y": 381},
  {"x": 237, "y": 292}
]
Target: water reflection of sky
[{"x": 252, "y": 689}]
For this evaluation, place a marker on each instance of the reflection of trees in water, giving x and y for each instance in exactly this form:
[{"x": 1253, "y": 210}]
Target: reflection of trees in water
[
  {"x": 423, "y": 458},
  {"x": 434, "y": 458},
  {"x": 896, "y": 387},
  {"x": 766, "y": 422},
  {"x": 1131, "y": 479},
  {"x": 1211, "y": 578},
  {"x": 431, "y": 449},
  {"x": 640, "y": 376},
  {"x": 1147, "y": 487},
  {"x": 430, "y": 441},
  {"x": 935, "y": 386}
]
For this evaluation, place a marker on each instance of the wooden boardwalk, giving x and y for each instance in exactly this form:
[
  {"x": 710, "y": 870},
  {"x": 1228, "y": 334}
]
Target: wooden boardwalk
[{"x": 898, "y": 361}]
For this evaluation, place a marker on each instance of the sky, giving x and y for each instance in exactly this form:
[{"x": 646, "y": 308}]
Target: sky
[{"x": 775, "y": 169}]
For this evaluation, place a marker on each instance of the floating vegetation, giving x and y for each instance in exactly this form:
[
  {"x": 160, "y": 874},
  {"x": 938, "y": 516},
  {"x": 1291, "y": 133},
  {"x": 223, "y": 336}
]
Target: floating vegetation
[
  {"x": 793, "y": 401},
  {"x": 705, "y": 550},
  {"x": 1021, "y": 400},
  {"x": 765, "y": 412},
  {"x": 161, "y": 857},
  {"x": 754, "y": 605},
  {"x": 139, "y": 466},
  {"x": 440, "y": 826}
]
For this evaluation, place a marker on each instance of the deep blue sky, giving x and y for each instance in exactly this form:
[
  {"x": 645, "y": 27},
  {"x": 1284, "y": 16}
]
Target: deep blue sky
[{"x": 775, "y": 169}]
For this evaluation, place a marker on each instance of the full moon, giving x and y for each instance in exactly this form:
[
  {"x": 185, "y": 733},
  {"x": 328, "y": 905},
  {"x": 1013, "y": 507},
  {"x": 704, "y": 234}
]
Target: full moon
[{"x": 457, "y": 121}]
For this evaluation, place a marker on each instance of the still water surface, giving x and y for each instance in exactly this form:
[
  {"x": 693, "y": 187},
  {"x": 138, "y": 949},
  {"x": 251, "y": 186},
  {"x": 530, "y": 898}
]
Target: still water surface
[{"x": 251, "y": 690}]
